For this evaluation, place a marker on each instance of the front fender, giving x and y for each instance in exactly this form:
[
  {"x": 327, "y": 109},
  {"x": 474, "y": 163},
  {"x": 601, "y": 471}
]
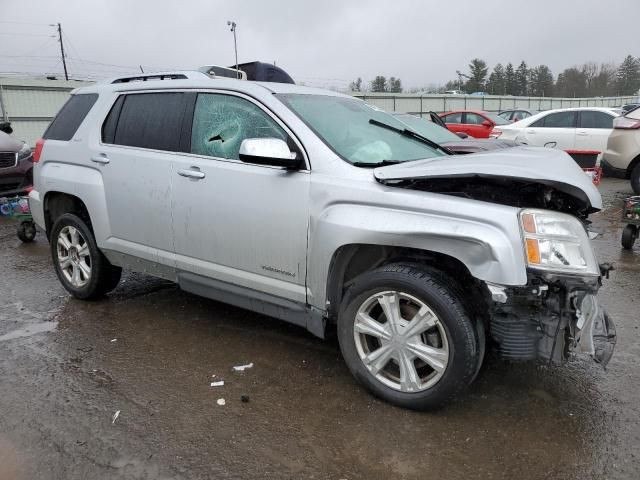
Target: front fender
[{"x": 490, "y": 249}]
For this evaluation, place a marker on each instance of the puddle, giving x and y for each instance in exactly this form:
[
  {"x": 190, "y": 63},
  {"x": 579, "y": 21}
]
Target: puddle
[{"x": 30, "y": 330}]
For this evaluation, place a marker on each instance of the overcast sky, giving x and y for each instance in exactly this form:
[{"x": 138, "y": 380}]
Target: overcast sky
[{"x": 323, "y": 43}]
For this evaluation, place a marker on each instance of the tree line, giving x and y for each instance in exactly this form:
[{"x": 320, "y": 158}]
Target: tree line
[
  {"x": 586, "y": 80},
  {"x": 378, "y": 84}
]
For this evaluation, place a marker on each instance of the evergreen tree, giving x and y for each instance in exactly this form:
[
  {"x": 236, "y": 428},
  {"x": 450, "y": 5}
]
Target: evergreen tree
[
  {"x": 522, "y": 79},
  {"x": 541, "y": 82},
  {"x": 628, "y": 76},
  {"x": 477, "y": 75},
  {"x": 510, "y": 79},
  {"x": 496, "y": 84},
  {"x": 379, "y": 84}
]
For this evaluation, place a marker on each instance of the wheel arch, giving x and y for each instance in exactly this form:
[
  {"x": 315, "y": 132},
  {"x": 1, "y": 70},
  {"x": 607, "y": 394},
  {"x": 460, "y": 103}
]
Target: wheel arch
[
  {"x": 352, "y": 260},
  {"x": 56, "y": 204}
]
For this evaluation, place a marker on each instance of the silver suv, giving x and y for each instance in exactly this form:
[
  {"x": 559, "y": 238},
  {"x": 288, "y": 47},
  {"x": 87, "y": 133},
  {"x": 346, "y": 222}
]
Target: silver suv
[{"x": 315, "y": 208}]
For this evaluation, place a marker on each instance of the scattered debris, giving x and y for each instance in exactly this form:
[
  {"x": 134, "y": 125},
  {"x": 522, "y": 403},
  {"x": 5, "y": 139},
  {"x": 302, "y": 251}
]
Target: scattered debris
[
  {"x": 217, "y": 384},
  {"x": 244, "y": 398},
  {"x": 115, "y": 417},
  {"x": 221, "y": 401},
  {"x": 114, "y": 340},
  {"x": 242, "y": 368}
]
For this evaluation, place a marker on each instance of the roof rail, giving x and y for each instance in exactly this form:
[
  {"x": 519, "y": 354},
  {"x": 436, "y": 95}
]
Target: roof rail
[
  {"x": 157, "y": 76},
  {"x": 214, "y": 71}
]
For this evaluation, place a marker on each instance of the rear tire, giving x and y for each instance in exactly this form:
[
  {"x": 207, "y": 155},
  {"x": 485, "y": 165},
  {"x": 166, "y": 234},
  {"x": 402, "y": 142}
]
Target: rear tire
[
  {"x": 80, "y": 265},
  {"x": 629, "y": 236},
  {"x": 635, "y": 179},
  {"x": 430, "y": 358}
]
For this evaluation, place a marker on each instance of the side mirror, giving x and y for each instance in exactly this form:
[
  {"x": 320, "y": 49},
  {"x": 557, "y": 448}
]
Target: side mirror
[
  {"x": 462, "y": 135},
  {"x": 268, "y": 151},
  {"x": 487, "y": 123}
]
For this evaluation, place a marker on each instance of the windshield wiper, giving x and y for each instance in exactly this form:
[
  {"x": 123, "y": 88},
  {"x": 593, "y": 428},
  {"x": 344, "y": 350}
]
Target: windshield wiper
[
  {"x": 411, "y": 134},
  {"x": 381, "y": 163}
]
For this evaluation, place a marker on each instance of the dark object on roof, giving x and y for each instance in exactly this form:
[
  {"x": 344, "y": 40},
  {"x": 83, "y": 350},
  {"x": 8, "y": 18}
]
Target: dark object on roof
[{"x": 264, "y": 72}]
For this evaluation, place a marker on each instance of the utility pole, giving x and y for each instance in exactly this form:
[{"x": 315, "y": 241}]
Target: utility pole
[
  {"x": 235, "y": 43},
  {"x": 64, "y": 62}
]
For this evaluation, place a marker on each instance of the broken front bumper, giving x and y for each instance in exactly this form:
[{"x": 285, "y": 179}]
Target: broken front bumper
[
  {"x": 595, "y": 330},
  {"x": 550, "y": 319}
]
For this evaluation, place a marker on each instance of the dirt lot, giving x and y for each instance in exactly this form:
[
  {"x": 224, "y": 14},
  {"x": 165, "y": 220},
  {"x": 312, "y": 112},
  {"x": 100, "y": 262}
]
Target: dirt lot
[{"x": 150, "y": 350}]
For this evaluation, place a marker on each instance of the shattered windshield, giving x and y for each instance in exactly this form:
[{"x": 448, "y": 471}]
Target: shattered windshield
[{"x": 345, "y": 125}]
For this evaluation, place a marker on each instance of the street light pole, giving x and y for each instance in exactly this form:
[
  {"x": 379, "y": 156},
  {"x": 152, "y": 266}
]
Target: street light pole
[{"x": 235, "y": 43}]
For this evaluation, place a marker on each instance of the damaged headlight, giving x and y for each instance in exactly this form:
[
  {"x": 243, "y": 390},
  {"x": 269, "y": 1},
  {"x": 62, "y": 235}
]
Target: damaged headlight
[{"x": 557, "y": 242}]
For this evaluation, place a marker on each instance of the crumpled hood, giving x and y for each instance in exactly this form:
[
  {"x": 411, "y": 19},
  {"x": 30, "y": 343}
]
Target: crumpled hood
[
  {"x": 545, "y": 166},
  {"x": 476, "y": 145}
]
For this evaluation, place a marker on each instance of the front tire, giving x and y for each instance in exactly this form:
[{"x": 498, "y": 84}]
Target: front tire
[
  {"x": 81, "y": 267},
  {"x": 405, "y": 335}
]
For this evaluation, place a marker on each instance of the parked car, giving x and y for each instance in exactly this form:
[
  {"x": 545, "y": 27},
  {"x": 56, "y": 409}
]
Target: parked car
[
  {"x": 476, "y": 123},
  {"x": 517, "y": 114},
  {"x": 16, "y": 166},
  {"x": 585, "y": 129},
  {"x": 628, "y": 107},
  {"x": 622, "y": 156},
  {"x": 310, "y": 206},
  {"x": 454, "y": 92},
  {"x": 427, "y": 127}
]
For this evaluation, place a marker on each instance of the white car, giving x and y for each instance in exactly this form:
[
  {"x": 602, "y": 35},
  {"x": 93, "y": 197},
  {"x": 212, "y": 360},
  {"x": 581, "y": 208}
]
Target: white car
[{"x": 586, "y": 128}]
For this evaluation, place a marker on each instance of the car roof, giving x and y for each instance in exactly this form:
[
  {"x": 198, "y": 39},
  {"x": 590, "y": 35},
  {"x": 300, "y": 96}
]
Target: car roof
[
  {"x": 195, "y": 79},
  {"x": 479, "y": 112},
  {"x": 571, "y": 109}
]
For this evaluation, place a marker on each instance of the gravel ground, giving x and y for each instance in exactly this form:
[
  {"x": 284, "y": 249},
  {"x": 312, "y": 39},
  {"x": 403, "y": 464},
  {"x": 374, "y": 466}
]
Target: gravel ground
[{"x": 150, "y": 352}]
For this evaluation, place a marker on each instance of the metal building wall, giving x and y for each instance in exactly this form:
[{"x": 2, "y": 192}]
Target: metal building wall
[
  {"x": 421, "y": 104},
  {"x": 30, "y": 104}
]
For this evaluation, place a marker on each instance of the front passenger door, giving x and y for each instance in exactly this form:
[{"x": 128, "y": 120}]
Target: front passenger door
[{"x": 239, "y": 223}]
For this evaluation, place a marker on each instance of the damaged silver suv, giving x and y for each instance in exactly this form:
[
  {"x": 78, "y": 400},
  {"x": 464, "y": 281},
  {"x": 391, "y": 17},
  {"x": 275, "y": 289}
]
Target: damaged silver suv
[{"x": 315, "y": 208}]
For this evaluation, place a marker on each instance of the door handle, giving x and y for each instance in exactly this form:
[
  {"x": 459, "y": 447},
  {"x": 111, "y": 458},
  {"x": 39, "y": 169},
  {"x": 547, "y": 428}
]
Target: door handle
[
  {"x": 582, "y": 133},
  {"x": 102, "y": 159},
  {"x": 530, "y": 131},
  {"x": 191, "y": 173}
]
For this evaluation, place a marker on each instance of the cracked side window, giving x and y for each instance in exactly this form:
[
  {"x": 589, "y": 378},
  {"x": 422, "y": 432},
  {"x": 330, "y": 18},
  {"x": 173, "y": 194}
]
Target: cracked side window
[{"x": 222, "y": 122}]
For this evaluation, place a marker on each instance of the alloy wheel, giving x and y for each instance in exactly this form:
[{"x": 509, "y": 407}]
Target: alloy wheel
[
  {"x": 401, "y": 341},
  {"x": 73, "y": 256}
]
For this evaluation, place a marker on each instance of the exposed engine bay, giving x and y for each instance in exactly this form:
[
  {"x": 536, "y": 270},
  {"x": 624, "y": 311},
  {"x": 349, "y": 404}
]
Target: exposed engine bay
[
  {"x": 505, "y": 191},
  {"x": 550, "y": 319}
]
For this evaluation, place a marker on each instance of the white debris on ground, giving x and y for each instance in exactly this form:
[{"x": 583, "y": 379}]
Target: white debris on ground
[
  {"x": 221, "y": 401},
  {"x": 114, "y": 340},
  {"x": 115, "y": 417},
  {"x": 217, "y": 384},
  {"x": 242, "y": 368}
]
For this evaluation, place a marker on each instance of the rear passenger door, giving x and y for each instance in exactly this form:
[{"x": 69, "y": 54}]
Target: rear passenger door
[
  {"x": 594, "y": 128},
  {"x": 140, "y": 137},
  {"x": 235, "y": 222}
]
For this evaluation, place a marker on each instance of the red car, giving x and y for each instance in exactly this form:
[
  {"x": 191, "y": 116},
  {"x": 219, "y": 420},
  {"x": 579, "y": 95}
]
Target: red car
[{"x": 475, "y": 123}]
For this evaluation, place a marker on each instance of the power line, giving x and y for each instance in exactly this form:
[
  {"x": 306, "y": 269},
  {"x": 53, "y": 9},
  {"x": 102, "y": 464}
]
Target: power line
[
  {"x": 27, "y": 34},
  {"x": 26, "y": 23}
]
